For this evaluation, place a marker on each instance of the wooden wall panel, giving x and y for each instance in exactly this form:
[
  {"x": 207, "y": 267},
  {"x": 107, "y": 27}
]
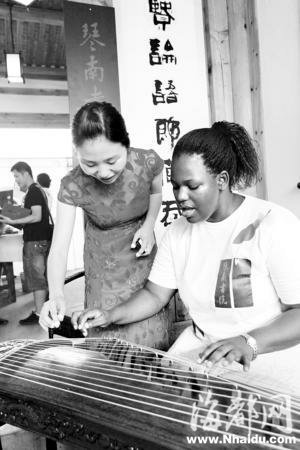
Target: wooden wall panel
[
  {"x": 234, "y": 69},
  {"x": 218, "y": 59},
  {"x": 34, "y": 120},
  {"x": 240, "y": 64}
]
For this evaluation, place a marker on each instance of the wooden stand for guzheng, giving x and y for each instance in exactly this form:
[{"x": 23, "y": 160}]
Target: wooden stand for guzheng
[{"x": 111, "y": 394}]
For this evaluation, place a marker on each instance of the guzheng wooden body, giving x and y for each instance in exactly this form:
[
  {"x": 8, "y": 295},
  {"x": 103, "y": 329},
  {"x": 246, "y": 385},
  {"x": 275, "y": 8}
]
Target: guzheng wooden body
[{"x": 99, "y": 393}]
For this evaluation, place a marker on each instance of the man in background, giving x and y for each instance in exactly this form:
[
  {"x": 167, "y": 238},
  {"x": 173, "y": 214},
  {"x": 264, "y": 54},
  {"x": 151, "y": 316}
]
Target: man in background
[{"x": 37, "y": 234}]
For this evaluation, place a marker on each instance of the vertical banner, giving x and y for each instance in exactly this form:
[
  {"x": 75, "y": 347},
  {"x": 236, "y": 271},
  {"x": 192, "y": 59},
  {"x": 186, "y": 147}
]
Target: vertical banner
[
  {"x": 91, "y": 54},
  {"x": 163, "y": 79}
]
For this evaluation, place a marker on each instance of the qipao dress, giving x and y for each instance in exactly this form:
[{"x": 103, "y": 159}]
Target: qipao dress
[{"x": 113, "y": 213}]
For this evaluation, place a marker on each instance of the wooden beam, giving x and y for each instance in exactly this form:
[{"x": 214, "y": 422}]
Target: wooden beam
[
  {"x": 40, "y": 73},
  {"x": 240, "y": 63},
  {"x": 23, "y": 14},
  {"x": 218, "y": 59},
  {"x": 96, "y": 2},
  {"x": 34, "y": 120},
  {"x": 256, "y": 96},
  {"x": 47, "y": 16},
  {"x": 45, "y": 73},
  {"x": 245, "y": 73},
  {"x": 33, "y": 91}
]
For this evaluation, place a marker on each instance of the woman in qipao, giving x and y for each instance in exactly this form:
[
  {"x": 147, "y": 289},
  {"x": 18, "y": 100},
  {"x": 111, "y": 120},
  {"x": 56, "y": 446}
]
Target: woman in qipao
[{"x": 119, "y": 190}]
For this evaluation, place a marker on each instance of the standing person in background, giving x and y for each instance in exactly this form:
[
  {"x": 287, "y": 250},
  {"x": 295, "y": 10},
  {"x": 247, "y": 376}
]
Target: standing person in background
[
  {"x": 37, "y": 233},
  {"x": 119, "y": 189},
  {"x": 44, "y": 181}
]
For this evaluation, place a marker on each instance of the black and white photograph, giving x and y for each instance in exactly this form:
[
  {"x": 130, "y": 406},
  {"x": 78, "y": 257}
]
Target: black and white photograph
[{"x": 149, "y": 224}]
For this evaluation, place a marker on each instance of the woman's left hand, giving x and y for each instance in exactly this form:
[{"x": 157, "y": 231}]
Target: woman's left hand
[
  {"x": 145, "y": 236},
  {"x": 226, "y": 351}
]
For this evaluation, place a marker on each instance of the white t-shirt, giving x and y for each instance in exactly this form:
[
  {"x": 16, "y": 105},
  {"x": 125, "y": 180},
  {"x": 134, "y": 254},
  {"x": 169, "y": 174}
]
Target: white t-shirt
[
  {"x": 231, "y": 274},
  {"x": 49, "y": 197}
]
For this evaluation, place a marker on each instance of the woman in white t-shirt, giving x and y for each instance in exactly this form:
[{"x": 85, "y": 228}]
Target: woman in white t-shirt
[{"x": 233, "y": 259}]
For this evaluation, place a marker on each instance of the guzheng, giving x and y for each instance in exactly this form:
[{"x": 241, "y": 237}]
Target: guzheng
[{"x": 108, "y": 393}]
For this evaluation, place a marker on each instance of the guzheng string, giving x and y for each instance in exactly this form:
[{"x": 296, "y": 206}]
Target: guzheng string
[
  {"x": 167, "y": 410},
  {"x": 30, "y": 352},
  {"x": 166, "y": 368},
  {"x": 133, "y": 349},
  {"x": 220, "y": 378},
  {"x": 53, "y": 370},
  {"x": 118, "y": 375}
]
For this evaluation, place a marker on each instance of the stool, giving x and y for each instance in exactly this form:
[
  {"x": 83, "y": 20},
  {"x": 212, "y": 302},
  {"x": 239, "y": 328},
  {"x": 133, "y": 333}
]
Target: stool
[{"x": 7, "y": 269}]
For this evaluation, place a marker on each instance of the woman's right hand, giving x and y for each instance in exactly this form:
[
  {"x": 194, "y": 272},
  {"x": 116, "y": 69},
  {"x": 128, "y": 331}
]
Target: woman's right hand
[
  {"x": 53, "y": 313},
  {"x": 89, "y": 318}
]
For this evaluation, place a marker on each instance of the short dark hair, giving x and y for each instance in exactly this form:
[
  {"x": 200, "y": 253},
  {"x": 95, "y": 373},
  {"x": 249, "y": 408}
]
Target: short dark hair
[
  {"x": 22, "y": 167},
  {"x": 43, "y": 179},
  {"x": 99, "y": 119},
  {"x": 224, "y": 146}
]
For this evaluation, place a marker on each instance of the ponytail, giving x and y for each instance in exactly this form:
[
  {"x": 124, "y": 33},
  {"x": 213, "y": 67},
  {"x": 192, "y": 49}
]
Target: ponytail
[
  {"x": 246, "y": 168},
  {"x": 224, "y": 146}
]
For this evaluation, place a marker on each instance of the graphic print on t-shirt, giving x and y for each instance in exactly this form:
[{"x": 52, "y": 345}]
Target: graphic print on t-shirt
[
  {"x": 241, "y": 283},
  {"x": 233, "y": 288}
]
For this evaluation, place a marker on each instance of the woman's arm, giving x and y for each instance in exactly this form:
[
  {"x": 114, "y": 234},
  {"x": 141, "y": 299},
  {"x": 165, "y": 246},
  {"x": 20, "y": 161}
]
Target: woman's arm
[
  {"x": 281, "y": 333},
  {"x": 155, "y": 200},
  {"x": 57, "y": 265},
  {"x": 146, "y": 232},
  {"x": 57, "y": 260},
  {"x": 142, "y": 305}
]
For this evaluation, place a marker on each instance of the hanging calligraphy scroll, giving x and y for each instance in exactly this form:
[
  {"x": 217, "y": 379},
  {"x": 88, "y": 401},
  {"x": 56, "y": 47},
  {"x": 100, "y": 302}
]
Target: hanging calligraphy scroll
[
  {"x": 163, "y": 80},
  {"x": 91, "y": 53},
  {"x": 162, "y": 68}
]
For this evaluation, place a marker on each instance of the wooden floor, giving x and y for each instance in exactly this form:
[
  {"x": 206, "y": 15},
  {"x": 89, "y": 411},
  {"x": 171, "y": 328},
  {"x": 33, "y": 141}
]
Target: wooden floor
[
  {"x": 13, "y": 313},
  {"x": 23, "y": 307}
]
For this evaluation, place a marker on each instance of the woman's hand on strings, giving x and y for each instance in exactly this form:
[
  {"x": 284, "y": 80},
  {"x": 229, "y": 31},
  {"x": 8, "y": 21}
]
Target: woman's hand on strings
[
  {"x": 146, "y": 239},
  {"x": 82, "y": 320},
  {"x": 53, "y": 313},
  {"x": 226, "y": 351}
]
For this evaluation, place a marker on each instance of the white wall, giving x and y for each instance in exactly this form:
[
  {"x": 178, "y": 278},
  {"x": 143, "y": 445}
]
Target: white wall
[
  {"x": 279, "y": 41},
  {"x": 46, "y": 150}
]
